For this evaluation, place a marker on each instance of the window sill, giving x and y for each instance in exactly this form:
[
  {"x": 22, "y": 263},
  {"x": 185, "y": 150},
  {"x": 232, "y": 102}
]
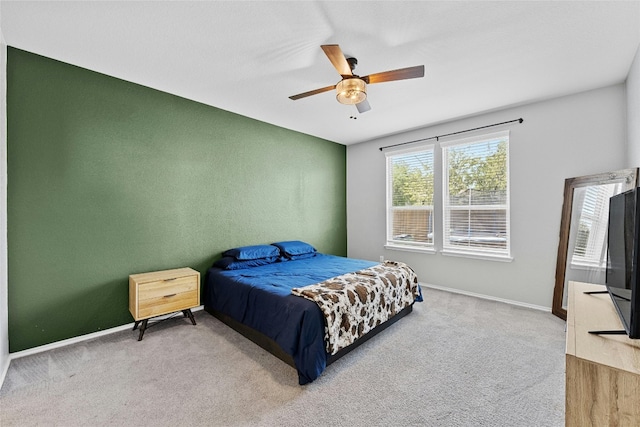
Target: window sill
[
  {"x": 420, "y": 249},
  {"x": 588, "y": 267},
  {"x": 476, "y": 255},
  {"x": 581, "y": 265}
]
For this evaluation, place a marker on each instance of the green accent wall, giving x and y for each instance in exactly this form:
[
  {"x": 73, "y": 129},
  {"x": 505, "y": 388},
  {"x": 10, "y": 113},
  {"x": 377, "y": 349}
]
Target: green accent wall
[{"x": 107, "y": 178}]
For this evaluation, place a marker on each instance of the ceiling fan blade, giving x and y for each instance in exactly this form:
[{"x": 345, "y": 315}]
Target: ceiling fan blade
[
  {"x": 401, "y": 74},
  {"x": 337, "y": 58},
  {"x": 363, "y": 106},
  {"x": 312, "y": 92}
]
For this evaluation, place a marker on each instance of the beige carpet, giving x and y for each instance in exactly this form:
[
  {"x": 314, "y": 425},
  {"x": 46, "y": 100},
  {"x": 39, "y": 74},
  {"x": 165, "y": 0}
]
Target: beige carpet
[{"x": 455, "y": 361}]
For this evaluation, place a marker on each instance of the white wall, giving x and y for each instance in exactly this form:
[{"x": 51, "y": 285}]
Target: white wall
[
  {"x": 566, "y": 137},
  {"x": 633, "y": 112},
  {"x": 4, "y": 332}
]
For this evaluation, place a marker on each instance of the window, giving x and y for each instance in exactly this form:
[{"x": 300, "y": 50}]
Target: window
[
  {"x": 590, "y": 248},
  {"x": 410, "y": 197},
  {"x": 476, "y": 195}
]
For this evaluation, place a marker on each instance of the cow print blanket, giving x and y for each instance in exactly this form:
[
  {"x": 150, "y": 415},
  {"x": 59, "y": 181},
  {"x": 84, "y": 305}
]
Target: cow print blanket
[{"x": 355, "y": 303}]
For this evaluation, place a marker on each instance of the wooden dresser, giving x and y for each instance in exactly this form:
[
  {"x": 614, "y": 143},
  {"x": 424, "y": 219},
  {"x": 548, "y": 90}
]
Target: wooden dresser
[
  {"x": 602, "y": 371},
  {"x": 162, "y": 292}
]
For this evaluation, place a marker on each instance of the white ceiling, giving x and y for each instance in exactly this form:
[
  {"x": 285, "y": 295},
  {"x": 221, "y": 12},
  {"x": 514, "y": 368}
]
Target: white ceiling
[{"x": 248, "y": 57}]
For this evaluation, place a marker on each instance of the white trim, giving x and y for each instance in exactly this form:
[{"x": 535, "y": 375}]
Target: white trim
[
  {"x": 477, "y": 138},
  {"x": 5, "y": 369},
  {"x": 503, "y": 255},
  {"x": 81, "y": 338},
  {"x": 477, "y": 255},
  {"x": 93, "y": 335},
  {"x": 587, "y": 266},
  {"x": 414, "y": 147},
  {"x": 487, "y": 297},
  {"x": 4, "y": 281},
  {"x": 421, "y": 249},
  {"x": 389, "y": 208}
]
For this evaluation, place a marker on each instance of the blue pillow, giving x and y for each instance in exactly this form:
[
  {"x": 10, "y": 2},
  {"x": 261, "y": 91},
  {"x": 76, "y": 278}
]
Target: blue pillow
[
  {"x": 295, "y": 247},
  {"x": 246, "y": 253},
  {"x": 301, "y": 256},
  {"x": 230, "y": 263}
]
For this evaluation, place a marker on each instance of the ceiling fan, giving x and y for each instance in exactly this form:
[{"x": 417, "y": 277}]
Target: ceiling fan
[{"x": 352, "y": 89}]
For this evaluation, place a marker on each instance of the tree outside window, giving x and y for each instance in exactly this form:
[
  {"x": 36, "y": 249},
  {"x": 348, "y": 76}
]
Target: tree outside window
[
  {"x": 476, "y": 195},
  {"x": 411, "y": 194}
]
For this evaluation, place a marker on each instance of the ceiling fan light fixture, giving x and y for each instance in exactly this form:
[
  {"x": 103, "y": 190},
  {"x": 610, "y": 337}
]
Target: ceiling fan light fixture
[{"x": 351, "y": 91}]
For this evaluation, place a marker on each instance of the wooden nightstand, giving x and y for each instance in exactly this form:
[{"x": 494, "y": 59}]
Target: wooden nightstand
[{"x": 162, "y": 292}]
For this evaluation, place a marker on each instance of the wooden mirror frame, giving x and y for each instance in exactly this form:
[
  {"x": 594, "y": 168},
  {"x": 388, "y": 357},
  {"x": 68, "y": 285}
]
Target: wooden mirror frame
[{"x": 628, "y": 176}]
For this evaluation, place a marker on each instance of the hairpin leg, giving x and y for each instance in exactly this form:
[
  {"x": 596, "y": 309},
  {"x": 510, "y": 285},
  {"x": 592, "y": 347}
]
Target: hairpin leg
[
  {"x": 143, "y": 327},
  {"x": 187, "y": 313}
]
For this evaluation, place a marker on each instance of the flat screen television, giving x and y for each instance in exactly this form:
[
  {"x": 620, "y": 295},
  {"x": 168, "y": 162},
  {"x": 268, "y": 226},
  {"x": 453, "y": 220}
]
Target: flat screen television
[{"x": 623, "y": 254}]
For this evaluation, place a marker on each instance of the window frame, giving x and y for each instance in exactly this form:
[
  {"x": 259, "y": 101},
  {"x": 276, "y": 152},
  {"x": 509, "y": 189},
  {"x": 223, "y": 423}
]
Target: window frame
[
  {"x": 475, "y": 251},
  {"x": 399, "y": 244}
]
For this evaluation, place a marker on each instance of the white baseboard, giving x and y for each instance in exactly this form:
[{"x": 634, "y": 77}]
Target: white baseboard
[
  {"x": 93, "y": 335},
  {"x": 75, "y": 340},
  {"x": 487, "y": 297}
]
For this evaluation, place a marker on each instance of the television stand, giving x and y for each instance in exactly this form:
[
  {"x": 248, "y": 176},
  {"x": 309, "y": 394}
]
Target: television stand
[{"x": 602, "y": 371}]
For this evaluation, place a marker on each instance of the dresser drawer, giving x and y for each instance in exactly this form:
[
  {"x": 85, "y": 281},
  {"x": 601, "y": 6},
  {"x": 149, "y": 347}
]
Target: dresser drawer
[{"x": 161, "y": 292}]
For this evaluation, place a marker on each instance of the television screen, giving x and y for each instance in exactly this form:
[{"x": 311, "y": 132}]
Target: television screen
[{"x": 622, "y": 259}]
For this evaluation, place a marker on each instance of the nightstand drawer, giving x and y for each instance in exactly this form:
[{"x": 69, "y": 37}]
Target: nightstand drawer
[
  {"x": 168, "y": 303},
  {"x": 162, "y": 288}
]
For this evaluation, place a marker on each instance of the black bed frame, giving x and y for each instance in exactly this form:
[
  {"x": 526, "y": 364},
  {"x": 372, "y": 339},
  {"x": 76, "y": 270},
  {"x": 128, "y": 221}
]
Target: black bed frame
[{"x": 272, "y": 347}]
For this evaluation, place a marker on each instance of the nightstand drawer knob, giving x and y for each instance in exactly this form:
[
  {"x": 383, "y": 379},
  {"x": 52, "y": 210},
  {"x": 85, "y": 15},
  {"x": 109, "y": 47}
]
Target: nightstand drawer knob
[
  {"x": 168, "y": 280},
  {"x": 169, "y": 296}
]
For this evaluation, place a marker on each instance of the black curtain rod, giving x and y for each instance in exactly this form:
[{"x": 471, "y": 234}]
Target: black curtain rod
[{"x": 437, "y": 138}]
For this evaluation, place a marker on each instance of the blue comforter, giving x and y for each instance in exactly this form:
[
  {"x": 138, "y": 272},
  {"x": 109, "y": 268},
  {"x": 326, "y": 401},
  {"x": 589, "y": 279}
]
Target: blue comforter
[{"x": 260, "y": 297}]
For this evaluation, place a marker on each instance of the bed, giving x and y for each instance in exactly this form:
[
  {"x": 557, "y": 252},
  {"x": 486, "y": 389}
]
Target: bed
[{"x": 296, "y": 303}]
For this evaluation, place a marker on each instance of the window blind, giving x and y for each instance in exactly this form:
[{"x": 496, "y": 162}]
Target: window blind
[
  {"x": 410, "y": 197},
  {"x": 476, "y": 195},
  {"x": 591, "y": 238}
]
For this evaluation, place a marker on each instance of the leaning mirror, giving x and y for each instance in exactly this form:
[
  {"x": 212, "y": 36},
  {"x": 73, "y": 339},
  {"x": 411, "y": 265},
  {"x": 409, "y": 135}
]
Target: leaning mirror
[{"x": 582, "y": 251}]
